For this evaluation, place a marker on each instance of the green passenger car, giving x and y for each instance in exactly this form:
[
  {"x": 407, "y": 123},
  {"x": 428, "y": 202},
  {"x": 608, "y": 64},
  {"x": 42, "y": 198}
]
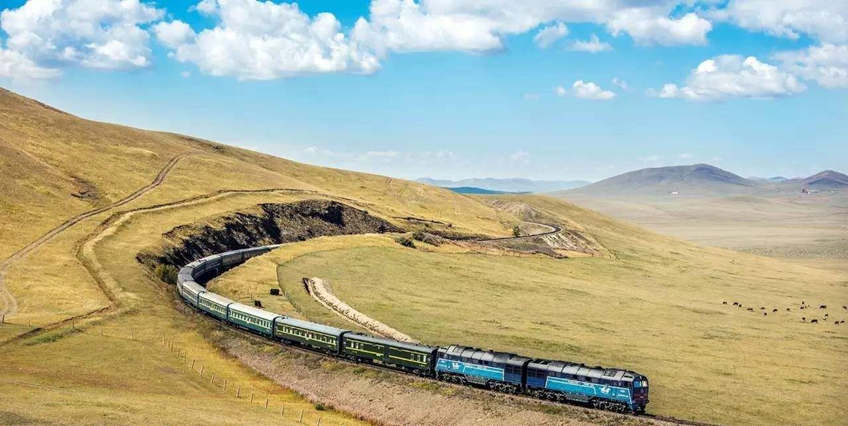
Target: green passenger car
[
  {"x": 258, "y": 320},
  {"x": 307, "y": 333},
  {"x": 214, "y": 305},
  {"x": 407, "y": 356}
]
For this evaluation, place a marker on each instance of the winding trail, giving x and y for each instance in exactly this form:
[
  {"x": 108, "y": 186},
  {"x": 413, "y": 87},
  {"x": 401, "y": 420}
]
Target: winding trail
[
  {"x": 84, "y": 251},
  {"x": 319, "y": 291},
  {"x": 10, "y": 305},
  {"x": 552, "y": 229}
]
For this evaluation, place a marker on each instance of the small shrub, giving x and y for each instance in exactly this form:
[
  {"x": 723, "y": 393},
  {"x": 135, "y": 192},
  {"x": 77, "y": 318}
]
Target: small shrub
[
  {"x": 406, "y": 242},
  {"x": 320, "y": 407},
  {"x": 425, "y": 237},
  {"x": 166, "y": 273},
  {"x": 516, "y": 231}
]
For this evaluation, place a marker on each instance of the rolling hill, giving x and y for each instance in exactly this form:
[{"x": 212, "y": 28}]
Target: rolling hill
[
  {"x": 97, "y": 337},
  {"x": 827, "y": 179},
  {"x": 692, "y": 180}
]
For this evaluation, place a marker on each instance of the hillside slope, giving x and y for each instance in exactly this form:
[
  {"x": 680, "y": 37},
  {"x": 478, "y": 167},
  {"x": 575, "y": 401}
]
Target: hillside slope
[
  {"x": 82, "y": 318},
  {"x": 97, "y": 337},
  {"x": 56, "y": 165},
  {"x": 828, "y": 179}
]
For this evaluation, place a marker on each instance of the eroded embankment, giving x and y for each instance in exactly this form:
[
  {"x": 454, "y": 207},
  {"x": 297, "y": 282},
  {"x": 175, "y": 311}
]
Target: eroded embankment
[
  {"x": 264, "y": 224},
  {"x": 318, "y": 289}
]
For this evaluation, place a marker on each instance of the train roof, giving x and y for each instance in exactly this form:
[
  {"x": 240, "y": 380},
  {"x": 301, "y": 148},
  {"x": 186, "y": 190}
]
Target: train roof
[
  {"x": 477, "y": 354},
  {"x": 217, "y": 298},
  {"x": 321, "y": 328},
  {"x": 391, "y": 342},
  {"x": 576, "y": 369},
  {"x": 193, "y": 286},
  {"x": 250, "y": 310}
]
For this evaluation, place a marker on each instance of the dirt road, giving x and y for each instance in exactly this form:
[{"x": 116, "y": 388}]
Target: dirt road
[{"x": 9, "y": 304}]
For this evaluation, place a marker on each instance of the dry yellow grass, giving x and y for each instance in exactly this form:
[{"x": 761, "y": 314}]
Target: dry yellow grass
[
  {"x": 655, "y": 307},
  {"x": 55, "y": 166},
  {"x": 650, "y": 303}
]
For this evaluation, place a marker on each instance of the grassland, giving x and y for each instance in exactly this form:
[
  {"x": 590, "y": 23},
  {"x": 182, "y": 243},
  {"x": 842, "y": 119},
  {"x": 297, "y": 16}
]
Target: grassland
[
  {"x": 57, "y": 367},
  {"x": 778, "y": 224},
  {"x": 654, "y": 306},
  {"x": 647, "y": 302}
]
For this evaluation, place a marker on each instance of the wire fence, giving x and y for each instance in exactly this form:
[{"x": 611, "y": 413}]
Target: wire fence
[{"x": 224, "y": 384}]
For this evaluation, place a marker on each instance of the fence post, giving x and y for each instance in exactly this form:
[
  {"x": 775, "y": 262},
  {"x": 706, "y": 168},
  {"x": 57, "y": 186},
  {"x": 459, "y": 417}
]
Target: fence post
[
  {"x": 300, "y": 420},
  {"x": 212, "y": 380},
  {"x": 132, "y": 334},
  {"x": 192, "y": 363},
  {"x": 266, "y": 402},
  {"x": 225, "y": 385},
  {"x": 251, "y": 397},
  {"x": 282, "y": 409},
  {"x": 318, "y": 423},
  {"x": 201, "y": 370},
  {"x": 238, "y": 392}
]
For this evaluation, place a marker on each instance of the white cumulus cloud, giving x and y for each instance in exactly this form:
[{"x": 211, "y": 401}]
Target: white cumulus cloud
[
  {"x": 174, "y": 33},
  {"x": 588, "y": 90},
  {"x": 732, "y": 76},
  {"x": 826, "y": 64},
  {"x": 550, "y": 34},
  {"x": 16, "y": 66},
  {"x": 646, "y": 26},
  {"x": 825, "y": 20},
  {"x": 256, "y": 40},
  {"x": 106, "y": 34},
  {"x": 593, "y": 45}
]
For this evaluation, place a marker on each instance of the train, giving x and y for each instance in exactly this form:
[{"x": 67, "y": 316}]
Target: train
[{"x": 612, "y": 389}]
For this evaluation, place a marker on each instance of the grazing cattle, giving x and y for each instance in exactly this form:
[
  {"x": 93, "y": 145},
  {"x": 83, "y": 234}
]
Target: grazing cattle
[
  {"x": 822, "y": 306},
  {"x": 845, "y": 307},
  {"x": 787, "y": 309},
  {"x": 765, "y": 313},
  {"x": 737, "y": 304},
  {"x": 814, "y": 321},
  {"x": 751, "y": 309},
  {"x": 724, "y": 303},
  {"x": 836, "y": 322},
  {"x": 802, "y": 307},
  {"x": 774, "y": 310},
  {"x": 762, "y": 308},
  {"x": 842, "y": 322},
  {"x": 804, "y": 319}
]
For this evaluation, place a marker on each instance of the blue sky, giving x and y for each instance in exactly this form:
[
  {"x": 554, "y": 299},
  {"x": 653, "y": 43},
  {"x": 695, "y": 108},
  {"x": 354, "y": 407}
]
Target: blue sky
[{"x": 455, "y": 89}]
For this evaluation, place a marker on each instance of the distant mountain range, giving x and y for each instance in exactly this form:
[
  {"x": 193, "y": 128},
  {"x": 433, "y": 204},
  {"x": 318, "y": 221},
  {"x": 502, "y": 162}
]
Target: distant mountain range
[
  {"x": 828, "y": 179},
  {"x": 507, "y": 185},
  {"x": 701, "y": 180},
  {"x": 478, "y": 191}
]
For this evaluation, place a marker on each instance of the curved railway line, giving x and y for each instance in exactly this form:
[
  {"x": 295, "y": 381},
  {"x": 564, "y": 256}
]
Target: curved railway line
[
  {"x": 83, "y": 249},
  {"x": 208, "y": 270}
]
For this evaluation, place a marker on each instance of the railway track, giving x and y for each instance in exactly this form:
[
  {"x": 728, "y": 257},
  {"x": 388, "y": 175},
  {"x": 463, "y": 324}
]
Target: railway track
[
  {"x": 216, "y": 271},
  {"x": 120, "y": 216},
  {"x": 378, "y": 367}
]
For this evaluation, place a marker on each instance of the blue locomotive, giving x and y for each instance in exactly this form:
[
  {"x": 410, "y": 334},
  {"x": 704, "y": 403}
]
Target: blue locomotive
[{"x": 603, "y": 388}]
